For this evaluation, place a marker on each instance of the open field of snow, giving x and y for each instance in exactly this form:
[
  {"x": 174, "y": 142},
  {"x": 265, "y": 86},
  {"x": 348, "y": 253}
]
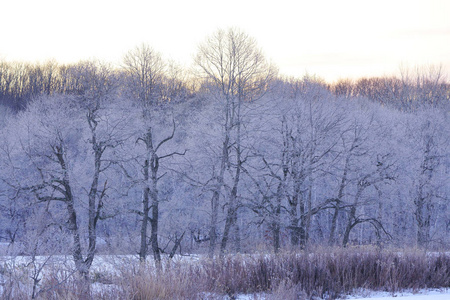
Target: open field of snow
[{"x": 421, "y": 295}]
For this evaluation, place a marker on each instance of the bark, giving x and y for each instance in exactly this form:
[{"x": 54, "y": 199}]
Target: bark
[
  {"x": 233, "y": 205},
  {"x": 352, "y": 220},
  {"x": 296, "y": 207},
  {"x": 154, "y": 221},
  {"x": 337, "y": 208},
  {"x": 331, "y": 238},
  {"x": 226, "y": 230},
  {"x": 423, "y": 201},
  {"x": 350, "y": 224},
  {"x": 231, "y": 219},
  {"x": 276, "y": 223},
  {"x": 73, "y": 226},
  {"x": 150, "y": 194},
  {"x": 176, "y": 245},
  {"x": 94, "y": 209},
  {"x": 305, "y": 217},
  {"x": 214, "y": 220},
  {"x": 77, "y": 253},
  {"x": 423, "y": 220},
  {"x": 216, "y": 197},
  {"x": 145, "y": 216},
  {"x": 302, "y": 225},
  {"x": 220, "y": 182}
]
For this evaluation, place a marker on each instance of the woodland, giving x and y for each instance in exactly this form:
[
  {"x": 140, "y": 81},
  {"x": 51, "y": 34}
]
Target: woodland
[{"x": 147, "y": 158}]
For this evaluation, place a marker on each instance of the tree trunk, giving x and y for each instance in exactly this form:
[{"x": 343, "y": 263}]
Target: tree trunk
[
  {"x": 154, "y": 234},
  {"x": 226, "y": 230},
  {"x": 177, "y": 244},
  {"x": 422, "y": 202},
  {"x": 340, "y": 194},
  {"x": 145, "y": 216},
  {"x": 351, "y": 222},
  {"x": 215, "y": 199},
  {"x": 93, "y": 208},
  {"x": 276, "y": 223},
  {"x": 302, "y": 226},
  {"x": 331, "y": 238},
  {"x": 236, "y": 234},
  {"x": 294, "y": 220},
  {"x": 423, "y": 218},
  {"x": 294, "y": 204},
  {"x": 214, "y": 221},
  {"x": 77, "y": 253},
  {"x": 216, "y": 194},
  {"x": 231, "y": 220},
  {"x": 306, "y": 219},
  {"x": 154, "y": 221},
  {"x": 150, "y": 193}
]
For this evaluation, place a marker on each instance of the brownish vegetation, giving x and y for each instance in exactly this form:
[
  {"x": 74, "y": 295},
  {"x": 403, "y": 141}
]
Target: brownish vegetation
[{"x": 325, "y": 273}]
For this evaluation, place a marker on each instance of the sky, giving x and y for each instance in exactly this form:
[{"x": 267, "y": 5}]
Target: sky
[{"x": 331, "y": 39}]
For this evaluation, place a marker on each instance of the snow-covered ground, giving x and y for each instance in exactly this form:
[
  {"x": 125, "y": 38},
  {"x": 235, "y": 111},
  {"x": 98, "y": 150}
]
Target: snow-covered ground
[
  {"x": 368, "y": 295},
  {"x": 420, "y": 295}
]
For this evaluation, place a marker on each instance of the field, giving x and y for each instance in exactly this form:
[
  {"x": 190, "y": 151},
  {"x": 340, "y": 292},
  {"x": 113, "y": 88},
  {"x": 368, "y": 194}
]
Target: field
[{"x": 320, "y": 274}]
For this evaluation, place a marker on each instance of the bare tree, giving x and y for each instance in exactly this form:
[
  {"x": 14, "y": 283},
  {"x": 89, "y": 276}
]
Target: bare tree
[
  {"x": 313, "y": 132},
  {"x": 52, "y": 137},
  {"x": 271, "y": 184},
  {"x": 97, "y": 84},
  {"x": 426, "y": 170},
  {"x": 237, "y": 70},
  {"x": 145, "y": 72}
]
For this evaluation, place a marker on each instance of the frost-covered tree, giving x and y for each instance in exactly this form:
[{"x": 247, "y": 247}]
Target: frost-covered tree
[
  {"x": 145, "y": 74},
  {"x": 427, "y": 154},
  {"x": 62, "y": 157},
  {"x": 236, "y": 71}
]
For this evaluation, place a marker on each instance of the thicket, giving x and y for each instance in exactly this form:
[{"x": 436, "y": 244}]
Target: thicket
[{"x": 322, "y": 273}]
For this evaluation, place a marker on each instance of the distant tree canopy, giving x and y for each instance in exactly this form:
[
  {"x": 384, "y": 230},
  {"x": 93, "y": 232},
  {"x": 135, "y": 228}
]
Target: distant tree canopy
[
  {"x": 20, "y": 82},
  {"x": 424, "y": 87}
]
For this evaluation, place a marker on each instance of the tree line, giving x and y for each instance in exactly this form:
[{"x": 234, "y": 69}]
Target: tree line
[
  {"x": 20, "y": 82},
  {"x": 231, "y": 157}
]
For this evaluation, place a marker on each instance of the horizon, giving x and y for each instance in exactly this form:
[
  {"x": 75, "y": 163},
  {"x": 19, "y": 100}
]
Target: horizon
[{"x": 325, "y": 39}]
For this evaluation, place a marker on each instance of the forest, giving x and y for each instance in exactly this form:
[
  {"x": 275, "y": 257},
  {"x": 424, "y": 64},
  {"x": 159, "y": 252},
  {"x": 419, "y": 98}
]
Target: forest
[{"x": 147, "y": 158}]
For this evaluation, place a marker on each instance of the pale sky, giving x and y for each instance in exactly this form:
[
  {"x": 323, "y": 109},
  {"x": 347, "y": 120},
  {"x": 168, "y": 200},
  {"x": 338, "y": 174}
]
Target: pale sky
[{"x": 328, "y": 38}]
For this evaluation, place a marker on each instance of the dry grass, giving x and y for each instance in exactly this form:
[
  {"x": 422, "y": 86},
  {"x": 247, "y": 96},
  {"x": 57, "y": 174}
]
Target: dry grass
[
  {"x": 144, "y": 282},
  {"x": 326, "y": 273},
  {"x": 323, "y": 273}
]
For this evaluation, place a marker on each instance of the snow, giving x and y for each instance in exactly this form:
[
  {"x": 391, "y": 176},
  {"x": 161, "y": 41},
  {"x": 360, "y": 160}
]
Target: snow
[{"x": 421, "y": 295}]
